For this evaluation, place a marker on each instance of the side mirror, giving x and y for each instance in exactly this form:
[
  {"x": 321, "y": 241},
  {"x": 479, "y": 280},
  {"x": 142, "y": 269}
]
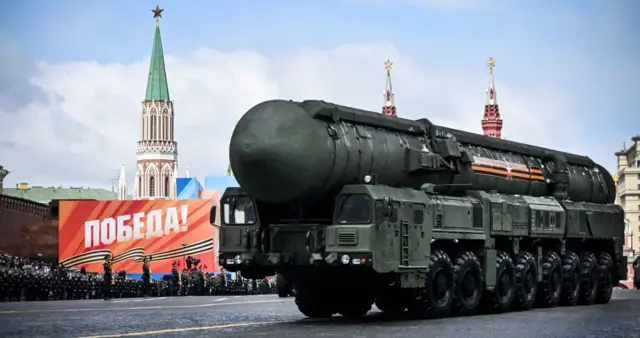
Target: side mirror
[
  {"x": 386, "y": 207},
  {"x": 212, "y": 215}
]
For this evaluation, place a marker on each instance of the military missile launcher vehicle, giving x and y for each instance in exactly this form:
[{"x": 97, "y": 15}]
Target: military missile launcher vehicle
[{"x": 355, "y": 208}]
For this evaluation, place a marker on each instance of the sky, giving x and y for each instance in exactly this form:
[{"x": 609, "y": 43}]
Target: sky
[{"x": 73, "y": 73}]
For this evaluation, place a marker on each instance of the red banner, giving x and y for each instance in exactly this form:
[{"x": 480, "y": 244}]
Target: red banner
[{"x": 167, "y": 231}]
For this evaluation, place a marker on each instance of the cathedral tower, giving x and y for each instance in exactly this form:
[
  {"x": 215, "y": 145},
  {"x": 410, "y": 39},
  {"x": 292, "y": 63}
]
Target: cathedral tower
[
  {"x": 157, "y": 155},
  {"x": 491, "y": 123},
  {"x": 389, "y": 105}
]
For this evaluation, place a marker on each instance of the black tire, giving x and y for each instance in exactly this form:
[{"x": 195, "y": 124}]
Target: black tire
[
  {"x": 526, "y": 281},
  {"x": 501, "y": 298},
  {"x": 436, "y": 299},
  {"x": 468, "y": 283},
  {"x": 588, "y": 278},
  {"x": 355, "y": 306},
  {"x": 550, "y": 288},
  {"x": 313, "y": 303},
  {"x": 571, "y": 287},
  {"x": 282, "y": 286},
  {"x": 392, "y": 303},
  {"x": 605, "y": 278}
]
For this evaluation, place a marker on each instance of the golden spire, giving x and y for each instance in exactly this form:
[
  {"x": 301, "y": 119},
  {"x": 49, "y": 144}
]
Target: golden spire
[
  {"x": 157, "y": 14},
  {"x": 388, "y": 65},
  {"x": 492, "y": 63}
]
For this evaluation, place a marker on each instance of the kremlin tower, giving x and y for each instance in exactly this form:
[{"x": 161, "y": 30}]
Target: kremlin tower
[
  {"x": 157, "y": 153},
  {"x": 389, "y": 106},
  {"x": 491, "y": 123}
]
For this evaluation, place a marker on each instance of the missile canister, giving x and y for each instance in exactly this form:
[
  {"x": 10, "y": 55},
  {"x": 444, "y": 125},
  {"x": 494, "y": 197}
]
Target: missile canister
[{"x": 282, "y": 151}]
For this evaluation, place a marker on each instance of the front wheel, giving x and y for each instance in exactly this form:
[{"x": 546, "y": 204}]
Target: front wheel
[
  {"x": 436, "y": 299},
  {"x": 284, "y": 288},
  {"x": 313, "y": 302}
]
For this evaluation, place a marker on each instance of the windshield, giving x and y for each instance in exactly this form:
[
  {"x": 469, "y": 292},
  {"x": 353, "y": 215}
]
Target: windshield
[
  {"x": 353, "y": 209},
  {"x": 238, "y": 210}
]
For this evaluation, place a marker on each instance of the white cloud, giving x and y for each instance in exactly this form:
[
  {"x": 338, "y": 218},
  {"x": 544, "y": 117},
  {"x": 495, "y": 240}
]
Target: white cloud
[{"x": 89, "y": 123}]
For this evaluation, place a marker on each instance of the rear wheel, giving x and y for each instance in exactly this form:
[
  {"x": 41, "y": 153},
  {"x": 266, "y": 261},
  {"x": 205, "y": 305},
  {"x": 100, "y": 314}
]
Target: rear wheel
[
  {"x": 526, "y": 281},
  {"x": 605, "y": 278},
  {"x": 501, "y": 298},
  {"x": 571, "y": 279},
  {"x": 588, "y": 278},
  {"x": 550, "y": 288},
  {"x": 468, "y": 283}
]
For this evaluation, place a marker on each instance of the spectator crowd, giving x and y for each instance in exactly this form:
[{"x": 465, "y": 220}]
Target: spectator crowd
[{"x": 29, "y": 279}]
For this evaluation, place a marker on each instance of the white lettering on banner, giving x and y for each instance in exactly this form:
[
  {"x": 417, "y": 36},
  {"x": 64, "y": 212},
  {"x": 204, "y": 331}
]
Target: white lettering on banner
[
  {"x": 154, "y": 224},
  {"x": 108, "y": 231},
  {"x": 171, "y": 222},
  {"x": 184, "y": 214},
  {"x": 136, "y": 226},
  {"x": 124, "y": 228},
  {"x": 91, "y": 233}
]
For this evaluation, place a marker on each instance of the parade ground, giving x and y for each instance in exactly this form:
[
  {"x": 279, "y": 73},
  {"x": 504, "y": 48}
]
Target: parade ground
[{"x": 270, "y": 316}]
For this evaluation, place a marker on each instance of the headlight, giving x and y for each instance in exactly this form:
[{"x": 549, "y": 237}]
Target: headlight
[
  {"x": 237, "y": 259},
  {"x": 345, "y": 259}
]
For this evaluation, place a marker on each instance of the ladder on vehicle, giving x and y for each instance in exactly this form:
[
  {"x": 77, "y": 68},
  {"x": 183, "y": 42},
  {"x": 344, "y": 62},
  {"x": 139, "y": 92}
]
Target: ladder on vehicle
[{"x": 404, "y": 242}]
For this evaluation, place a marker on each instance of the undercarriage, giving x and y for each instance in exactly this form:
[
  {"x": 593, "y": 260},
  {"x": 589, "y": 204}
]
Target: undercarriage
[{"x": 455, "y": 285}]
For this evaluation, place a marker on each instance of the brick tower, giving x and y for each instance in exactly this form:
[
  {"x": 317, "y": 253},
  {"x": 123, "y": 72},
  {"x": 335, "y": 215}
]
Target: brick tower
[
  {"x": 492, "y": 123},
  {"x": 389, "y": 106},
  {"x": 157, "y": 155}
]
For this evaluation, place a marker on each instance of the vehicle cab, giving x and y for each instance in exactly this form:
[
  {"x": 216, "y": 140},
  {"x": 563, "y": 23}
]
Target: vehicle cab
[
  {"x": 237, "y": 218},
  {"x": 379, "y": 226}
]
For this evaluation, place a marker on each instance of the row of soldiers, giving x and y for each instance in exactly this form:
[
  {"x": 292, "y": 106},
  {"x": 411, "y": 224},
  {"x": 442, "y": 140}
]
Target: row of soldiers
[{"x": 62, "y": 284}]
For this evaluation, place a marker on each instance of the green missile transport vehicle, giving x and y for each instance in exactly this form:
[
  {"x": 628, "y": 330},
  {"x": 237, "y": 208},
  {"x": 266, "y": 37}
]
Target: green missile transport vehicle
[{"x": 353, "y": 208}]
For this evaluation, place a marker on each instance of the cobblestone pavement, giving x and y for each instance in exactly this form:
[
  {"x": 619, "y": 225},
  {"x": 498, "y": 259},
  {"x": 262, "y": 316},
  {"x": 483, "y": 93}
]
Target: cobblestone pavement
[{"x": 261, "y": 316}]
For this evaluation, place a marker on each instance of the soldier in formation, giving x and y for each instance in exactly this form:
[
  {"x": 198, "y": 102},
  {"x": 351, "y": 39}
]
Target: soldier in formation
[
  {"x": 175, "y": 280},
  {"x": 146, "y": 276},
  {"x": 107, "y": 277},
  {"x": 27, "y": 280}
]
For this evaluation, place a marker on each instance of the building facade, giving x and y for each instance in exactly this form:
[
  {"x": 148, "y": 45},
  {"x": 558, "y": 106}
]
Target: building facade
[
  {"x": 157, "y": 149},
  {"x": 628, "y": 196}
]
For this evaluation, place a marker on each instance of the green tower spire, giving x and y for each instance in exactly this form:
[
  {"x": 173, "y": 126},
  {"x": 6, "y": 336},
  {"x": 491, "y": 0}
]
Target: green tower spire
[{"x": 157, "y": 87}]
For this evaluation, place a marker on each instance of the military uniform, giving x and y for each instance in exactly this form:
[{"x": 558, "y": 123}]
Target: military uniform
[
  {"x": 107, "y": 279},
  {"x": 146, "y": 279},
  {"x": 201, "y": 280},
  {"x": 175, "y": 281}
]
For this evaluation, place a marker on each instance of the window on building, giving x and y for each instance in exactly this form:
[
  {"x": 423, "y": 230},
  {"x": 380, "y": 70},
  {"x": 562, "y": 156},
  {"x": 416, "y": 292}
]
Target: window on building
[
  {"x": 139, "y": 186},
  {"x": 152, "y": 186},
  {"x": 165, "y": 128},
  {"x": 166, "y": 186},
  {"x": 153, "y": 127}
]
